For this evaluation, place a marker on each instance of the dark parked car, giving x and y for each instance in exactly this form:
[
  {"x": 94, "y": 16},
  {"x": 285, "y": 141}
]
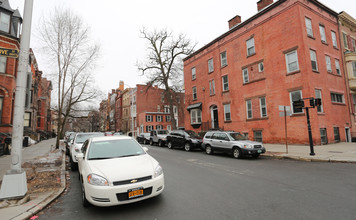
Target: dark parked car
[
  {"x": 143, "y": 138},
  {"x": 184, "y": 139}
]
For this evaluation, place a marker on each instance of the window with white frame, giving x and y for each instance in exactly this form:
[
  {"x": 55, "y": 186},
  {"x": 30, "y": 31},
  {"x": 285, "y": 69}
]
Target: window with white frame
[
  {"x": 250, "y": 44},
  {"x": 333, "y": 37},
  {"x": 158, "y": 118},
  {"x": 337, "y": 97},
  {"x": 211, "y": 65},
  {"x": 166, "y": 109},
  {"x": 292, "y": 61},
  {"x": 223, "y": 59},
  {"x": 149, "y": 128},
  {"x": 328, "y": 64},
  {"x": 195, "y": 116},
  {"x": 322, "y": 33},
  {"x": 344, "y": 37},
  {"x": 159, "y": 127},
  {"x": 354, "y": 68},
  {"x": 336, "y": 134},
  {"x": 194, "y": 93},
  {"x": 318, "y": 96},
  {"x": 212, "y": 87},
  {"x": 245, "y": 75},
  {"x": 4, "y": 22},
  {"x": 194, "y": 74},
  {"x": 158, "y": 108},
  {"x": 27, "y": 119},
  {"x": 249, "y": 109},
  {"x": 169, "y": 127},
  {"x": 227, "y": 112},
  {"x": 295, "y": 96},
  {"x": 263, "y": 107},
  {"x": 168, "y": 118},
  {"x": 308, "y": 24},
  {"x": 1, "y": 104},
  {"x": 323, "y": 136},
  {"x": 337, "y": 67},
  {"x": 3, "y": 61},
  {"x": 162, "y": 97},
  {"x": 225, "y": 83},
  {"x": 257, "y": 135},
  {"x": 353, "y": 43},
  {"x": 354, "y": 101},
  {"x": 261, "y": 67},
  {"x": 313, "y": 60},
  {"x": 148, "y": 118}
]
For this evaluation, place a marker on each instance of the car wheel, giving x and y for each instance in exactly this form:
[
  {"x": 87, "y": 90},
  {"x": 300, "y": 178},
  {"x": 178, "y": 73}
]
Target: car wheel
[
  {"x": 144, "y": 141},
  {"x": 208, "y": 150},
  {"x": 169, "y": 145},
  {"x": 73, "y": 165},
  {"x": 160, "y": 144},
  {"x": 187, "y": 146},
  {"x": 236, "y": 152},
  {"x": 84, "y": 198},
  {"x": 151, "y": 142}
]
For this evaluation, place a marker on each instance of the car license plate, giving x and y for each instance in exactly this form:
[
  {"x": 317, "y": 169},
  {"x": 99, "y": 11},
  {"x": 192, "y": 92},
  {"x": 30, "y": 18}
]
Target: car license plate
[
  {"x": 134, "y": 193},
  {"x": 259, "y": 151}
]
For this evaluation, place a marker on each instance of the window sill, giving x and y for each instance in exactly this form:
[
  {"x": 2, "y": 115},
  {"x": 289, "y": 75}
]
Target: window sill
[
  {"x": 336, "y": 48},
  {"x": 311, "y": 37},
  {"x": 253, "y": 81},
  {"x": 316, "y": 71},
  {"x": 229, "y": 121},
  {"x": 321, "y": 113},
  {"x": 292, "y": 73},
  {"x": 325, "y": 43},
  {"x": 194, "y": 79},
  {"x": 337, "y": 103},
  {"x": 212, "y": 95},
  {"x": 257, "y": 119},
  {"x": 251, "y": 55},
  {"x": 211, "y": 72},
  {"x": 298, "y": 114},
  {"x": 222, "y": 67},
  {"x": 226, "y": 91},
  {"x": 334, "y": 74}
]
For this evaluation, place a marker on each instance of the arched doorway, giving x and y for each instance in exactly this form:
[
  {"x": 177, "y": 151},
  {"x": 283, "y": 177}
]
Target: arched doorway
[{"x": 214, "y": 117}]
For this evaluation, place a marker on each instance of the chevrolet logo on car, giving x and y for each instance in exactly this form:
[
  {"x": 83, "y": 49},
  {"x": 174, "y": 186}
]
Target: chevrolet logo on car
[{"x": 133, "y": 181}]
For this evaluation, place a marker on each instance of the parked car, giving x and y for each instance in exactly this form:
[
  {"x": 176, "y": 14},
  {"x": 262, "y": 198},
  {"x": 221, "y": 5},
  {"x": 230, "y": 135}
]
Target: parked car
[
  {"x": 233, "y": 143},
  {"x": 118, "y": 133},
  {"x": 184, "y": 139},
  {"x": 159, "y": 137},
  {"x": 143, "y": 138},
  {"x": 68, "y": 142},
  {"x": 76, "y": 146},
  {"x": 108, "y": 133},
  {"x": 117, "y": 170}
]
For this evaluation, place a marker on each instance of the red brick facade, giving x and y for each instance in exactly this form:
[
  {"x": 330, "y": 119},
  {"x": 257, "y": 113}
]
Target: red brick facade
[{"x": 264, "y": 63}]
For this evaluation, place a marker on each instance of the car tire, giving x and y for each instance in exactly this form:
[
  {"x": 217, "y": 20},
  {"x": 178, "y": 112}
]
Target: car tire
[
  {"x": 236, "y": 153},
  {"x": 160, "y": 143},
  {"x": 208, "y": 150},
  {"x": 85, "y": 202},
  {"x": 187, "y": 147},
  {"x": 151, "y": 142},
  {"x": 169, "y": 145},
  {"x": 73, "y": 165},
  {"x": 144, "y": 141}
]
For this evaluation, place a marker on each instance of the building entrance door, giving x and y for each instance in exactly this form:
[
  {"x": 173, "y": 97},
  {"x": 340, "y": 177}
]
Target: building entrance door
[
  {"x": 348, "y": 135},
  {"x": 214, "y": 117}
]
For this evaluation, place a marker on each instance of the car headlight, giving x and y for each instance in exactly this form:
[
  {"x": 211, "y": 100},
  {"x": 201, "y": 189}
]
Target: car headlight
[
  {"x": 97, "y": 180},
  {"x": 248, "y": 146},
  {"x": 158, "y": 171}
]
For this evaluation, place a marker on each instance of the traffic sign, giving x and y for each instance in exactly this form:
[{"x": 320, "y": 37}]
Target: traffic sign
[{"x": 13, "y": 53}]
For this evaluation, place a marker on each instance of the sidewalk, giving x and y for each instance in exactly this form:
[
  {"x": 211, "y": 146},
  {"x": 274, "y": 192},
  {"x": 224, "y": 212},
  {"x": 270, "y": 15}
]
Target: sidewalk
[
  {"x": 44, "y": 152},
  {"x": 339, "y": 152},
  {"x": 38, "y": 160}
]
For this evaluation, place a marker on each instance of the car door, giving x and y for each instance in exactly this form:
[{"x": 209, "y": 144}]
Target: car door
[
  {"x": 224, "y": 142},
  {"x": 180, "y": 138}
]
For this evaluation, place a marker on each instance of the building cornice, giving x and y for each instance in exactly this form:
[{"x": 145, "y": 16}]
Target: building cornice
[{"x": 348, "y": 21}]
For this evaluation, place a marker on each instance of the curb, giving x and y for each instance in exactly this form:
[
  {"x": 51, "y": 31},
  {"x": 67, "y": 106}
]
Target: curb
[
  {"x": 44, "y": 203},
  {"x": 271, "y": 155}
]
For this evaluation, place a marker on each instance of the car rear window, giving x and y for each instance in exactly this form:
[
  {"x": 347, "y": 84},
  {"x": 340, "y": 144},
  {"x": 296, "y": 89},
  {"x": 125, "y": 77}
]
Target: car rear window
[{"x": 208, "y": 135}]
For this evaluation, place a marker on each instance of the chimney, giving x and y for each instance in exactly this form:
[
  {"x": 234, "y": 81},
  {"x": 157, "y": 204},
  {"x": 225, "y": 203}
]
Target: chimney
[
  {"x": 234, "y": 21},
  {"x": 121, "y": 85},
  {"x": 263, "y": 3}
]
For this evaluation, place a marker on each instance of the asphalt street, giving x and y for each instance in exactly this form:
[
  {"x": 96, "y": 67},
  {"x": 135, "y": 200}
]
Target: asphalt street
[{"x": 200, "y": 186}]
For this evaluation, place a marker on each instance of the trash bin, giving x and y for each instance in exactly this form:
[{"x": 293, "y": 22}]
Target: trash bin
[{"x": 25, "y": 142}]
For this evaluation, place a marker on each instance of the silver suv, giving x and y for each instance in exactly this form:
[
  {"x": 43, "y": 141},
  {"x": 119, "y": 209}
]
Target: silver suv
[
  {"x": 159, "y": 137},
  {"x": 231, "y": 142}
]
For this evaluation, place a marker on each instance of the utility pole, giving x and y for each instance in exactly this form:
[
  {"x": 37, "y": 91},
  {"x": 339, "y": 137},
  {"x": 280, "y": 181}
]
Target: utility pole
[{"x": 14, "y": 183}]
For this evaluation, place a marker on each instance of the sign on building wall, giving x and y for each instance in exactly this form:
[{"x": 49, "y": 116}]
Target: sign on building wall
[{"x": 13, "y": 53}]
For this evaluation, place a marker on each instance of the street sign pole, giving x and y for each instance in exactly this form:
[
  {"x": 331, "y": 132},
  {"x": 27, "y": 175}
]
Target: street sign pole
[
  {"x": 310, "y": 134},
  {"x": 285, "y": 126},
  {"x": 14, "y": 184}
]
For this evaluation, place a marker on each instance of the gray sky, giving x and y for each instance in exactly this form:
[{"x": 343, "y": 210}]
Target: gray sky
[{"x": 115, "y": 25}]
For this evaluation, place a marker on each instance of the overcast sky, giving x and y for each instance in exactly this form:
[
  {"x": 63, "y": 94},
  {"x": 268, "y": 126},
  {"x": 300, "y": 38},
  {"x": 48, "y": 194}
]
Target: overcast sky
[{"x": 115, "y": 25}]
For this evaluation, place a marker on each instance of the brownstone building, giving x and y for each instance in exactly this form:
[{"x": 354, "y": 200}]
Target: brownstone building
[{"x": 289, "y": 50}]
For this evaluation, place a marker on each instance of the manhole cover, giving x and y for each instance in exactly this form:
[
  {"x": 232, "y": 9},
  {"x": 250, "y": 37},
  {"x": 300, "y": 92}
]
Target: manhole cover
[{"x": 338, "y": 152}]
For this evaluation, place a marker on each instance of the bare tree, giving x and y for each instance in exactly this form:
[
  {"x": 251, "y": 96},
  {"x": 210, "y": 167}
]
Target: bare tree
[
  {"x": 67, "y": 45},
  {"x": 163, "y": 65}
]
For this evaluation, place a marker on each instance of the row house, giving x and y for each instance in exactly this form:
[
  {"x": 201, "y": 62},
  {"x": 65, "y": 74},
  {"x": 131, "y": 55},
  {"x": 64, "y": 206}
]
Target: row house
[
  {"x": 347, "y": 29},
  {"x": 103, "y": 123},
  {"x": 289, "y": 50}
]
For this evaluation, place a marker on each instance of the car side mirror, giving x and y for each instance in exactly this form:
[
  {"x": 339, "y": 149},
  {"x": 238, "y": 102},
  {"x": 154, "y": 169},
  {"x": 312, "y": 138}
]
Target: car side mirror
[
  {"x": 145, "y": 148},
  {"x": 80, "y": 156}
]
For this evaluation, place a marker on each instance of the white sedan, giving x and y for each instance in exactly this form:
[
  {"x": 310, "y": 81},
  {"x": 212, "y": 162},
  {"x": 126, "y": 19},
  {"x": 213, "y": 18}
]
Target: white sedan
[{"x": 117, "y": 170}]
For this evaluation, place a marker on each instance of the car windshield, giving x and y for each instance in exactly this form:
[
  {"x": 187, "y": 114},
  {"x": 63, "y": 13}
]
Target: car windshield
[
  {"x": 192, "y": 134},
  {"x": 71, "y": 137},
  {"x": 237, "y": 136},
  {"x": 162, "y": 132},
  {"x": 81, "y": 138},
  {"x": 113, "y": 149}
]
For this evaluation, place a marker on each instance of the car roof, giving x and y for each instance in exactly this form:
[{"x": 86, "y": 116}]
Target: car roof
[{"x": 108, "y": 138}]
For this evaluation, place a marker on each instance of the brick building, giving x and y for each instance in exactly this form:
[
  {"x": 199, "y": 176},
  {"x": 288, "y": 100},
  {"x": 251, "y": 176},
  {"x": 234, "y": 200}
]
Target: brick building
[
  {"x": 289, "y": 50},
  {"x": 347, "y": 26}
]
